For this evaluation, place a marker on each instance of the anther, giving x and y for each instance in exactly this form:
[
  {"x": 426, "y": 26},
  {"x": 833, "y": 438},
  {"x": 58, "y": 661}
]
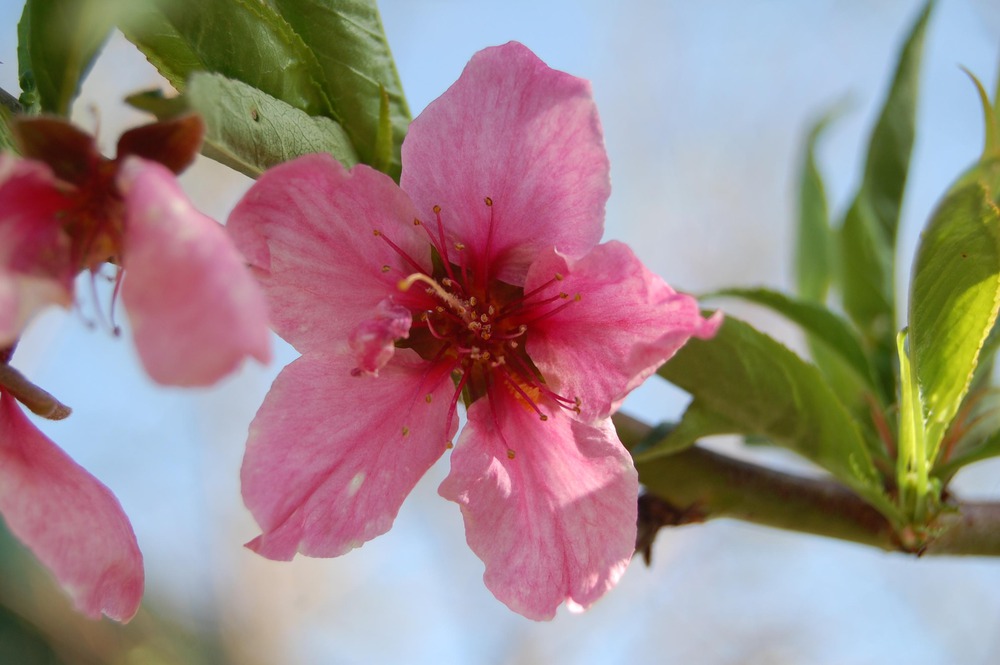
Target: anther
[
  {"x": 488, "y": 201},
  {"x": 436, "y": 209},
  {"x": 386, "y": 268},
  {"x": 510, "y": 454}
]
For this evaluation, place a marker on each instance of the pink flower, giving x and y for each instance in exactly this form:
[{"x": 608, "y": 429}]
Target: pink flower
[
  {"x": 72, "y": 523},
  {"x": 195, "y": 311},
  {"x": 479, "y": 279}
]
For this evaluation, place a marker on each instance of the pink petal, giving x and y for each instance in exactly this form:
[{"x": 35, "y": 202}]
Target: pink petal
[
  {"x": 195, "y": 310},
  {"x": 626, "y": 324},
  {"x": 373, "y": 341},
  {"x": 35, "y": 268},
  {"x": 554, "y": 519},
  {"x": 330, "y": 456},
  {"x": 72, "y": 523},
  {"x": 524, "y": 135},
  {"x": 306, "y": 226}
]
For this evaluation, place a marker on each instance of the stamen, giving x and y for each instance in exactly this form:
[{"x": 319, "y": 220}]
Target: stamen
[
  {"x": 453, "y": 407},
  {"x": 398, "y": 250},
  {"x": 525, "y": 371},
  {"x": 98, "y": 312},
  {"x": 487, "y": 258},
  {"x": 576, "y": 298},
  {"x": 405, "y": 284},
  {"x": 115, "y": 328},
  {"x": 443, "y": 246},
  {"x": 520, "y": 330},
  {"x": 527, "y": 398},
  {"x": 506, "y": 308}
]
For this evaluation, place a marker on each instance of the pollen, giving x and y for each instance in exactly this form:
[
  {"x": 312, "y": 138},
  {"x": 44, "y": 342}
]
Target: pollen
[
  {"x": 406, "y": 431},
  {"x": 429, "y": 398}
]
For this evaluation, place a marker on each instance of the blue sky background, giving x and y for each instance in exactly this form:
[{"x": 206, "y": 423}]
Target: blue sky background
[{"x": 704, "y": 105}]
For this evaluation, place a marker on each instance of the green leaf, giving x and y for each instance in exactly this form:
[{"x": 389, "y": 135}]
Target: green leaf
[
  {"x": 747, "y": 377},
  {"x": 244, "y": 40},
  {"x": 822, "y": 325},
  {"x": 868, "y": 234},
  {"x": 974, "y": 435},
  {"x": 248, "y": 130},
  {"x": 814, "y": 257},
  {"x": 357, "y": 69},
  {"x": 991, "y": 121},
  {"x": 58, "y": 41},
  {"x": 955, "y": 296},
  {"x": 698, "y": 422}
]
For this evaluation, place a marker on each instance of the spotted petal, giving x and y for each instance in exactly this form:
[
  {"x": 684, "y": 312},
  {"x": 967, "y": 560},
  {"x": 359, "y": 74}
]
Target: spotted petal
[
  {"x": 72, "y": 523},
  {"x": 307, "y": 228},
  {"x": 526, "y": 136},
  {"x": 331, "y": 456},
  {"x": 550, "y": 507},
  {"x": 626, "y": 323},
  {"x": 196, "y": 312}
]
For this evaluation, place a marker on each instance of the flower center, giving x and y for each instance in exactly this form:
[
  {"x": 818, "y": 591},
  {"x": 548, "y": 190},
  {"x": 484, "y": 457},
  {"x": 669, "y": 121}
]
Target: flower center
[{"x": 478, "y": 325}]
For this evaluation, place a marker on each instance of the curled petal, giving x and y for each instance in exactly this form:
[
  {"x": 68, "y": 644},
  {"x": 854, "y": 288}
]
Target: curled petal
[
  {"x": 372, "y": 341},
  {"x": 331, "y": 456},
  {"x": 72, "y": 523},
  {"x": 35, "y": 267},
  {"x": 550, "y": 507},
  {"x": 526, "y": 136},
  {"x": 195, "y": 310},
  {"x": 626, "y": 323},
  {"x": 307, "y": 227}
]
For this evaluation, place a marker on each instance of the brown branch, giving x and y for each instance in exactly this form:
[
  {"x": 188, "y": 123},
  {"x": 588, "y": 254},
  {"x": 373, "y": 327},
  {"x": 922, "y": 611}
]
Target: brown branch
[{"x": 697, "y": 485}]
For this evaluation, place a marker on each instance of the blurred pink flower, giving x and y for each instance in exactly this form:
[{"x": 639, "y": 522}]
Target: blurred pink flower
[
  {"x": 480, "y": 279},
  {"x": 68, "y": 519},
  {"x": 195, "y": 311}
]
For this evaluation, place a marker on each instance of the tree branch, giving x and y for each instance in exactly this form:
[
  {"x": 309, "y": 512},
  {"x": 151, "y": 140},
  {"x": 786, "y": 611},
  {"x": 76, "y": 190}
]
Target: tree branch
[{"x": 696, "y": 485}]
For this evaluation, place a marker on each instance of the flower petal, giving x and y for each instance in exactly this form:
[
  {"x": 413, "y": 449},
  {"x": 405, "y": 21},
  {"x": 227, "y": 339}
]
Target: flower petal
[
  {"x": 627, "y": 323},
  {"x": 195, "y": 310},
  {"x": 72, "y": 523},
  {"x": 306, "y": 226},
  {"x": 526, "y": 136},
  {"x": 35, "y": 269},
  {"x": 373, "y": 341},
  {"x": 550, "y": 507},
  {"x": 330, "y": 456}
]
